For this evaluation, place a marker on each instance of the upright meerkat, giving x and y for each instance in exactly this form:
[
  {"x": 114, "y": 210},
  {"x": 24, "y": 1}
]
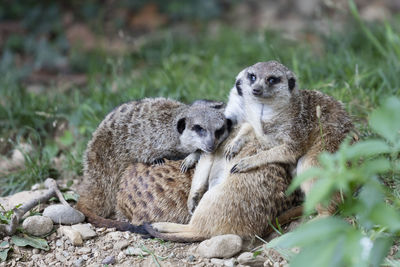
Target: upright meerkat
[
  {"x": 241, "y": 203},
  {"x": 297, "y": 124},
  {"x": 145, "y": 131}
]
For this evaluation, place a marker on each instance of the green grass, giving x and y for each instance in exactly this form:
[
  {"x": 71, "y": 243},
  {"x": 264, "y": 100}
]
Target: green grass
[{"x": 359, "y": 66}]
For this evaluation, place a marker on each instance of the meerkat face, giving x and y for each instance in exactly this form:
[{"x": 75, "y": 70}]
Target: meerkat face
[
  {"x": 203, "y": 128},
  {"x": 266, "y": 81}
]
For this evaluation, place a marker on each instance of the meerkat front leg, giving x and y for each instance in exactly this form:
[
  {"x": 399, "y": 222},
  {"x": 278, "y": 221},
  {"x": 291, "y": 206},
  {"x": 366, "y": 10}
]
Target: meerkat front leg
[
  {"x": 190, "y": 161},
  {"x": 279, "y": 154},
  {"x": 234, "y": 147},
  {"x": 200, "y": 181}
]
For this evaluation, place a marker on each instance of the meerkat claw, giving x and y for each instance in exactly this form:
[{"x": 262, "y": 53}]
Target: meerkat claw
[
  {"x": 234, "y": 169},
  {"x": 158, "y": 162}
]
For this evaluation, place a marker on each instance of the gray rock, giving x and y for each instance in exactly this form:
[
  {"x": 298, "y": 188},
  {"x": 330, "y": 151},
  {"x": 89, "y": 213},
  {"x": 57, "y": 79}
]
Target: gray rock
[
  {"x": 85, "y": 230},
  {"x": 119, "y": 245},
  {"x": 131, "y": 251},
  {"x": 222, "y": 246},
  {"x": 73, "y": 236},
  {"x": 248, "y": 259},
  {"x": 109, "y": 260},
  {"x": 38, "y": 225},
  {"x": 62, "y": 214},
  {"x": 78, "y": 262},
  {"x": 84, "y": 251},
  {"x": 230, "y": 263},
  {"x": 217, "y": 262},
  {"x": 191, "y": 258}
]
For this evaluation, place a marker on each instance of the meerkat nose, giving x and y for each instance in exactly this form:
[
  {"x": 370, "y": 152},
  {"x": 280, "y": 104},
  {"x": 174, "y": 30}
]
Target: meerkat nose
[{"x": 257, "y": 91}]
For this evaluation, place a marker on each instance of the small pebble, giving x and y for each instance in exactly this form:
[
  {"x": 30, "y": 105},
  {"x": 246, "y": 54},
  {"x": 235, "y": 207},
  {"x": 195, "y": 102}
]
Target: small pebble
[
  {"x": 131, "y": 251},
  {"x": 38, "y": 225},
  {"x": 119, "y": 245},
  {"x": 84, "y": 250},
  {"x": 78, "y": 262},
  {"x": 85, "y": 230},
  {"x": 35, "y": 251},
  {"x": 191, "y": 258},
  {"x": 59, "y": 243},
  {"x": 109, "y": 260},
  {"x": 73, "y": 236}
]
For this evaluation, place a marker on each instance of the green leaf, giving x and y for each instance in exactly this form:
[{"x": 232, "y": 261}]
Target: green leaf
[
  {"x": 379, "y": 251},
  {"x": 387, "y": 216},
  {"x": 4, "y": 254},
  {"x": 311, "y": 232},
  {"x": 26, "y": 240},
  {"x": 326, "y": 251},
  {"x": 386, "y": 120},
  {"x": 376, "y": 166},
  {"x": 302, "y": 177},
  {"x": 71, "y": 196},
  {"x": 367, "y": 148},
  {"x": 320, "y": 192}
]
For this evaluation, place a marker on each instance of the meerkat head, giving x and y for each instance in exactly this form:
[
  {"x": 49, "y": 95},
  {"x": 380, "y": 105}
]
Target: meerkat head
[
  {"x": 266, "y": 82},
  {"x": 203, "y": 127}
]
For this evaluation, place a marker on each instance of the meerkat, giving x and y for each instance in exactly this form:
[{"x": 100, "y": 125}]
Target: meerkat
[
  {"x": 297, "y": 124},
  {"x": 149, "y": 193},
  {"x": 240, "y": 203},
  {"x": 146, "y": 131}
]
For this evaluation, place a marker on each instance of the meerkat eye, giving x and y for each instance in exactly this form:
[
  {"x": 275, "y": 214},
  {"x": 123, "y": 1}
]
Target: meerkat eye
[
  {"x": 251, "y": 77},
  {"x": 219, "y": 132},
  {"x": 273, "y": 80},
  {"x": 198, "y": 129}
]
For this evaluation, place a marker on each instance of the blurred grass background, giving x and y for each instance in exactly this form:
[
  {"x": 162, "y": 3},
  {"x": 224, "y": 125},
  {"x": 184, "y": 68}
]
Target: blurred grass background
[{"x": 66, "y": 64}]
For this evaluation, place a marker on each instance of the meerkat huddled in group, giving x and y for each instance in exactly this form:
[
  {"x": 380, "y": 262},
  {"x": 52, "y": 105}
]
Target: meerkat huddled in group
[
  {"x": 296, "y": 124},
  {"x": 145, "y": 131},
  {"x": 243, "y": 204}
]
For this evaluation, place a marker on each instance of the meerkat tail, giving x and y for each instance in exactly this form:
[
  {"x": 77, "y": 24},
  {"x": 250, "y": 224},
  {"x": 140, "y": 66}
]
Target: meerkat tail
[
  {"x": 183, "y": 236},
  {"x": 286, "y": 217},
  {"x": 99, "y": 221}
]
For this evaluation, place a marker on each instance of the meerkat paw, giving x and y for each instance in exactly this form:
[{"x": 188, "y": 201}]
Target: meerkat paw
[
  {"x": 233, "y": 148},
  {"x": 189, "y": 161},
  {"x": 192, "y": 202},
  {"x": 158, "y": 162},
  {"x": 242, "y": 166},
  {"x": 159, "y": 227}
]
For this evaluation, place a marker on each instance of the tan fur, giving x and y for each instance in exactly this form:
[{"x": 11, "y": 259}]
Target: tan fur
[
  {"x": 241, "y": 204},
  {"x": 145, "y": 131},
  {"x": 285, "y": 119},
  {"x": 154, "y": 193}
]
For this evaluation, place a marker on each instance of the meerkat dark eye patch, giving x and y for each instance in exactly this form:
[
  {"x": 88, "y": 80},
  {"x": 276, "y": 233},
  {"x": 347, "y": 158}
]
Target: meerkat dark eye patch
[
  {"x": 238, "y": 87},
  {"x": 219, "y": 132},
  {"x": 181, "y": 125},
  {"x": 291, "y": 83},
  {"x": 252, "y": 78},
  {"x": 271, "y": 80}
]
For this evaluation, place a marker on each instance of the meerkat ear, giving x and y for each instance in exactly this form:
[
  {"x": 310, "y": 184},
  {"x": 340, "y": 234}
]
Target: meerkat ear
[
  {"x": 181, "y": 125},
  {"x": 238, "y": 87},
  {"x": 291, "y": 83},
  {"x": 229, "y": 124}
]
